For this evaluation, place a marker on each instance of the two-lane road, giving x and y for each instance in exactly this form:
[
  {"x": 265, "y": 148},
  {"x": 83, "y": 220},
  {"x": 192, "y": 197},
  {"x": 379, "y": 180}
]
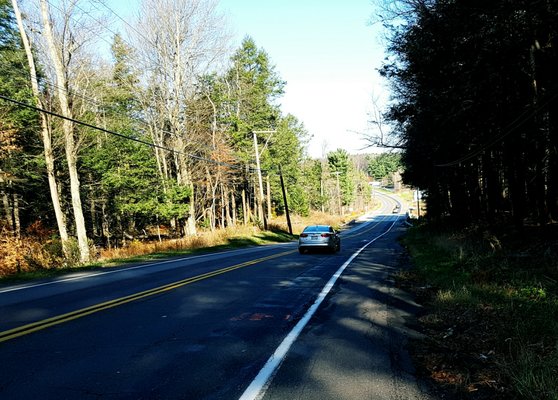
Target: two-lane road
[{"x": 187, "y": 328}]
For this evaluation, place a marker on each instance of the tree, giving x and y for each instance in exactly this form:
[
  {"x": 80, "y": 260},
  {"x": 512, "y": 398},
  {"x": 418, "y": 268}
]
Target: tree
[
  {"x": 286, "y": 148},
  {"x": 383, "y": 165},
  {"x": 121, "y": 174},
  {"x": 20, "y": 162},
  {"x": 46, "y": 133},
  {"x": 340, "y": 166},
  {"x": 61, "y": 50},
  {"x": 12, "y": 120},
  {"x": 313, "y": 174},
  {"x": 179, "y": 41},
  {"x": 475, "y": 107},
  {"x": 254, "y": 88}
]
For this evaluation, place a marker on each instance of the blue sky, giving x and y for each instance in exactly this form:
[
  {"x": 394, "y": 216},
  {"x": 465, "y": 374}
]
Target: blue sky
[
  {"x": 325, "y": 50},
  {"x": 329, "y": 55}
]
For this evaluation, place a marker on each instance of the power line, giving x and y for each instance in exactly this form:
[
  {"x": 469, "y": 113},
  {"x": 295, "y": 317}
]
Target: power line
[
  {"x": 153, "y": 145},
  {"x": 94, "y": 101},
  {"x": 97, "y": 103},
  {"x": 123, "y": 20}
]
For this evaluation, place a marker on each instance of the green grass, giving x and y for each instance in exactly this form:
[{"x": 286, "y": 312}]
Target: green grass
[{"x": 498, "y": 293}]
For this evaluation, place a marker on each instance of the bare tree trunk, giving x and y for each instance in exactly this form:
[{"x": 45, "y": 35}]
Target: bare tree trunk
[
  {"x": 105, "y": 224},
  {"x": 69, "y": 131},
  {"x": 95, "y": 225},
  {"x": 260, "y": 193},
  {"x": 322, "y": 193},
  {"x": 160, "y": 154},
  {"x": 7, "y": 210},
  {"x": 222, "y": 203},
  {"x": 268, "y": 189},
  {"x": 17, "y": 221},
  {"x": 191, "y": 221},
  {"x": 244, "y": 208},
  {"x": 184, "y": 179},
  {"x": 211, "y": 211},
  {"x": 46, "y": 135},
  {"x": 211, "y": 190},
  {"x": 158, "y": 229},
  {"x": 233, "y": 206},
  {"x": 227, "y": 205}
]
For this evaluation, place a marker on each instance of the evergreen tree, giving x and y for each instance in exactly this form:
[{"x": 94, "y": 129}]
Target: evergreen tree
[
  {"x": 476, "y": 107},
  {"x": 341, "y": 167},
  {"x": 383, "y": 165},
  {"x": 286, "y": 148},
  {"x": 255, "y": 88},
  {"x": 20, "y": 165},
  {"x": 126, "y": 192}
]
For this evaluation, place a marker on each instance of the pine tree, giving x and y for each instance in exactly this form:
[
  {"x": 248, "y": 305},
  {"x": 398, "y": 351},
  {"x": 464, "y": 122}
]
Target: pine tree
[{"x": 20, "y": 169}]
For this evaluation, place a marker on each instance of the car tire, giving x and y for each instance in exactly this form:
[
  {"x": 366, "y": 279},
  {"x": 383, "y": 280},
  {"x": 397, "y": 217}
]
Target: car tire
[{"x": 301, "y": 250}]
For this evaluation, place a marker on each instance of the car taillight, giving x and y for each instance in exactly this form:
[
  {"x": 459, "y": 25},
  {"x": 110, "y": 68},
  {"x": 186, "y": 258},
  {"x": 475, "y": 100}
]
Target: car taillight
[
  {"x": 326, "y": 234},
  {"x": 303, "y": 235}
]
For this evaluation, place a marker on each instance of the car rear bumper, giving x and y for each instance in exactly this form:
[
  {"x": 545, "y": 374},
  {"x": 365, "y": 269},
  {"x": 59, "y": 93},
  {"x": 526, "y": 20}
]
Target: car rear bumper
[{"x": 304, "y": 245}]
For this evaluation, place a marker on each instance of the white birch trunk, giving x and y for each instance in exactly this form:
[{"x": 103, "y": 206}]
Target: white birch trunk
[
  {"x": 68, "y": 128},
  {"x": 45, "y": 134}
]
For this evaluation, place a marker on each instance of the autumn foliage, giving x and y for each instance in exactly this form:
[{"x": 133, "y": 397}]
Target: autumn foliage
[{"x": 37, "y": 249}]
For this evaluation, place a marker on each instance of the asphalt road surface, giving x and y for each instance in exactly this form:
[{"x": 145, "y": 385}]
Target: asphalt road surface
[{"x": 262, "y": 322}]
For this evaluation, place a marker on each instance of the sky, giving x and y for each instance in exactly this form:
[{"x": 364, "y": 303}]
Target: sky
[
  {"x": 327, "y": 52},
  {"x": 329, "y": 55}
]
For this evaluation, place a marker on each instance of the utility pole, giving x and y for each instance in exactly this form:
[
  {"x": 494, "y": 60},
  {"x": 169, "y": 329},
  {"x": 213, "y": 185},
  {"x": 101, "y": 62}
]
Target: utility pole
[
  {"x": 285, "y": 201},
  {"x": 261, "y": 213},
  {"x": 268, "y": 195}
]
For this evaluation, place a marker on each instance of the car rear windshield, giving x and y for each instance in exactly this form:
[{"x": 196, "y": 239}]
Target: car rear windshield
[{"x": 317, "y": 228}]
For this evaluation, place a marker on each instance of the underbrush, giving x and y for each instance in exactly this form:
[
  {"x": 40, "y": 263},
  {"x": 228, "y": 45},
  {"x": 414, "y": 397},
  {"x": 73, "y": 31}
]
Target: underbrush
[
  {"x": 491, "y": 301},
  {"x": 37, "y": 249},
  {"x": 229, "y": 237},
  {"x": 39, "y": 252}
]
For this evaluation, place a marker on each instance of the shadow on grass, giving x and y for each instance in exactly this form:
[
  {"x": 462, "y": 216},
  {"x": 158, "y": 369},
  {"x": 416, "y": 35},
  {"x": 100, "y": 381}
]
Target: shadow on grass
[{"x": 491, "y": 298}]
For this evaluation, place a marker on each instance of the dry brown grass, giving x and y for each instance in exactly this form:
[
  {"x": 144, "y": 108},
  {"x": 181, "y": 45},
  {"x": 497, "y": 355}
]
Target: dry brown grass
[
  {"x": 38, "y": 251},
  {"x": 25, "y": 254},
  {"x": 220, "y": 236},
  {"x": 11, "y": 254},
  {"x": 202, "y": 240}
]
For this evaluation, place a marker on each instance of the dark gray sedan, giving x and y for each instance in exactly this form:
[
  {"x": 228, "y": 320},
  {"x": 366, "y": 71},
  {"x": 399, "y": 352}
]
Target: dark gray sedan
[{"x": 319, "y": 236}]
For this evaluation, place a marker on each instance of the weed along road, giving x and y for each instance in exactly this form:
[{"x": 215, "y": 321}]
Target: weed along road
[{"x": 251, "y": 323}]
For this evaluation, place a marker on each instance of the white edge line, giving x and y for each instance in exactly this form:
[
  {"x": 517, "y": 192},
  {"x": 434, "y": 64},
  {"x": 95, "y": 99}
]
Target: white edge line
[{"x": 256, "y": 389}]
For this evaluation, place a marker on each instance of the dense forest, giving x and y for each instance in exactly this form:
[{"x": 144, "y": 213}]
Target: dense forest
[
  {"x": 476, "y": 106},
  {"x": 169, "y": 133}
]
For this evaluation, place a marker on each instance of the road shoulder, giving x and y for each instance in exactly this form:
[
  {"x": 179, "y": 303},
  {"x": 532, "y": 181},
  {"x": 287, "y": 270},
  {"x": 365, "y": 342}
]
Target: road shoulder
[{"x": 355, "y": 345}]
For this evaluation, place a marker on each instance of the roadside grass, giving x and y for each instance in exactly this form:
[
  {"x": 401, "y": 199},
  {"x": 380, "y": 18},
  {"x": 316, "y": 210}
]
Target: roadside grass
[
  {"x": 491, "y": 311},
  {"x": 234, "y": 237},
  {"x": 140, "y": 251},
  {"x": 40, "y": 256}
]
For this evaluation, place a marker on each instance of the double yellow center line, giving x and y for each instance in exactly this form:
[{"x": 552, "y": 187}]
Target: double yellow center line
[{"x": 59, "y": 319}]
